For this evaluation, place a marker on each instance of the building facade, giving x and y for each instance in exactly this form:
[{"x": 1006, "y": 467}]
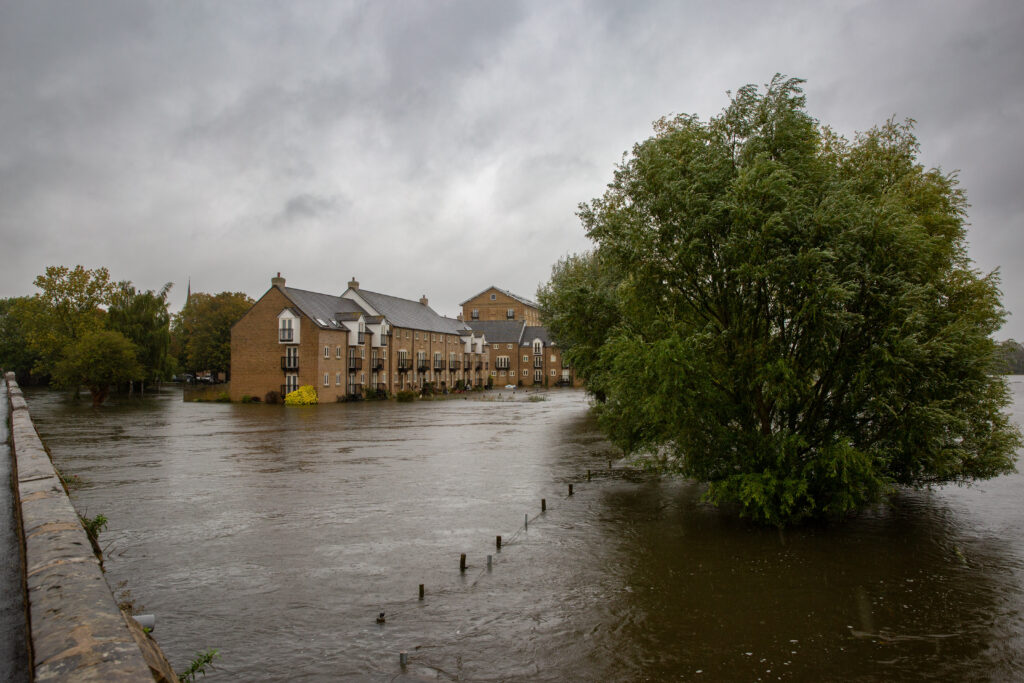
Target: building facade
[
  {"x": 495, "y": 303},
  {"x": 363, "y": 343}
]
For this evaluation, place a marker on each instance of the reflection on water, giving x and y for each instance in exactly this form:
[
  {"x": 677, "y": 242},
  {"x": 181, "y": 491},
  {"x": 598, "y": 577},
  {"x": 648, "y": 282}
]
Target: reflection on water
[{"x": 277, "y": 535}]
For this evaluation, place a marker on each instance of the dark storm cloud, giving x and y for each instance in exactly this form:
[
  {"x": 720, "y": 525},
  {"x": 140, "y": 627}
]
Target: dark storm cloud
[{"x": 441, "y": 147}]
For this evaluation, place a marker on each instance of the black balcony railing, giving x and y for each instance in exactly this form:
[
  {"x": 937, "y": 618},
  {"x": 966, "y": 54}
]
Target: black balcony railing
[
  {"x": 376, "y": 363},
  {"x": 355, "y": 364},
  {"x": 439, "y": 365},
  {"x": 285, "y": 334},
  {"x": 422, "y": 366},
  {"x": 285, "y": 390},
  {"x": 360, "y": 337},
  {"x": 455, "y": 365},
  {"x": 538, "y": 362},
  {"x": 289, "y": 362},
  {"x": 355, "y": 390},
  {"x": 404, "y": 365}
]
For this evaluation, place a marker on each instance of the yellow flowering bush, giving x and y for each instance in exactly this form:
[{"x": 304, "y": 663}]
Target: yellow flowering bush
[{"x": 303, "y": 396}]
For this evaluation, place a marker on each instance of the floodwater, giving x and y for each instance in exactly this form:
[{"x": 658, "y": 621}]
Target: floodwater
[{"x": 277, "y": 534}]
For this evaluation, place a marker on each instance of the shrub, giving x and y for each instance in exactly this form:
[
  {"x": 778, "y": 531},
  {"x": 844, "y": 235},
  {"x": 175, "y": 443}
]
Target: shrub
[
  {"x": 406, "y": 396},
  {"x": 303, "y": 396}
]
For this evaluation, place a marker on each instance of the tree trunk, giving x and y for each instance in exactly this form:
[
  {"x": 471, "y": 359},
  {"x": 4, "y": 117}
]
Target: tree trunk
[{"x": 99, "y": 395}]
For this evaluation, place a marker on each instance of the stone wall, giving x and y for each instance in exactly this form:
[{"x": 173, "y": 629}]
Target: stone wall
[{"x": 77, "y": 631}]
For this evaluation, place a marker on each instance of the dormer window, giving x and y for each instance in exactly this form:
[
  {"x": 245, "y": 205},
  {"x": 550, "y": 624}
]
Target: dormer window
[
  {"x": 538, "y": 347},
  {"x": 494, "y": 297},
  {"x": 510, "y": 314},
  {"x": 287, "y": 327}
]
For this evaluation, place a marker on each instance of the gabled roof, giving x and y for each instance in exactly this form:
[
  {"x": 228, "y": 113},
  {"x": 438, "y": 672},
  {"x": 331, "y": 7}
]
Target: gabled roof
[
  {"x": 321, "y": 308},
  {"x": 407, "y": 313},
  {"x": 459, "y": 325},
  {"x": 520, "y": 299},
  {"x": 537, "y": 332},
  {"x": 499, "y": 331}
]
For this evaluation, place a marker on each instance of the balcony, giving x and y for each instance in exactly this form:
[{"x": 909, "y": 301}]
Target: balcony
[
  {"x": 538, "y": 362},
  {"x": 285, "y": 390},
  {"x": 355, "y": 364},
  {"x": 289, "y": 362},
  {"x": 422, "y": 366},
  {"x": 285, "y": 334},
  {"x": 376, "y": 363},
  {"x": 404, "y": 365},
  {"x": 479, "y": 365},
  {"x": 360, "y": 337},
  {"x": 438, "y": 365},
  {"x": 455, "y": 365},
  {"x": 355, "y": 390}
]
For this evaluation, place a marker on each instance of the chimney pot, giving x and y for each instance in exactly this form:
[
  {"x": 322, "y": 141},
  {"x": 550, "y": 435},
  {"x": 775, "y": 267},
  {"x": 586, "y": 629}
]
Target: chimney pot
[
  {"x": 277, "y": 281},
  {"x": 423, "y": 299},
  {"x": 353, "y": 283}
]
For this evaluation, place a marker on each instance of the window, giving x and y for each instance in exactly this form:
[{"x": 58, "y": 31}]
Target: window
[
  {"x": 525, "y": 373},
  {"x": 384, "y": 377},
  {"x": 526, "y": 359},
  {"x": 327, "y": 352},
  {"x": 509, "y": 346},
  {"x": 417, "y": 336},
  {"x": 384, "y": 354},
  {"x": 337, "y": 379},
  {"x": 501, "y": 374},
  {"x": 538, "y": 376},
  {"x": 337, "y": 352},
  {"x": 493, "y": 297},
  {"x": 475, "y": 314},
  {"x": 501, "y": 362},
  {"x": 285, "y": 332},
  {"x": 552, "y": 358},
  {"x": 327, "y": 379},
  {"x": 291, "y": 383},
  {"x": 510, "y": 313},
  {"x": 362, "y": 352},
  {"x": 552, "y": 373},
  {"x": 494, "y": 373},
  {"x": 362, "y": 378},
  {"x": 538, "y": 347}
]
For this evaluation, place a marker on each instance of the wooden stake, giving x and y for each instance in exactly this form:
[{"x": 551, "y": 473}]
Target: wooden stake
[
  {"x": 570, "y": 489},
  {"x": 421, "y": 591},
  {"x": 462, "y": 562},
  {"x": 498, "y": 542},
  {"x": 543, "y": 504}
]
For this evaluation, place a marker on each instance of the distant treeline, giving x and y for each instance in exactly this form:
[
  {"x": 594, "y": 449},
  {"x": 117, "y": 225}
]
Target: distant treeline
[{"x": 1013, "y": 354}]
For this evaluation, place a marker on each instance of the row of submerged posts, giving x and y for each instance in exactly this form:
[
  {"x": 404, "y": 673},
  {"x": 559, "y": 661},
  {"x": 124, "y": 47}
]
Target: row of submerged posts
[{"x": 403, "y": 656}]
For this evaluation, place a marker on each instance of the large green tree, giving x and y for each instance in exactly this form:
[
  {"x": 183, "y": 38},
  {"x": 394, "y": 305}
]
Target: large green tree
[
  {"x": 97, "y": 360},
  {"x": 15, "y": 353},
  {"x": 796, "y": 321},
  {"x": 71, "y": 303},
  {"x": 142, "y": 317},
  {"x": 203, "y": 329}
]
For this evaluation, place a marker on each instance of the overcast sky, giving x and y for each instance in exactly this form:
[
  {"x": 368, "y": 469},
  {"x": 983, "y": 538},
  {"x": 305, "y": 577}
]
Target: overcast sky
[{"x": 440, "y": 147}]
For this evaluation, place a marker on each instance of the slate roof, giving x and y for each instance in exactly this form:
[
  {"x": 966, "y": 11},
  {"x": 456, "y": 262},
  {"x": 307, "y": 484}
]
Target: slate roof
[
  {"x": 520, "y": 299},
  {"x": 540, "y": 332},
  {"x": 499, "y": 331},
  {"x": 326, "y": 307},
  {"x": 407, "y": 313}
]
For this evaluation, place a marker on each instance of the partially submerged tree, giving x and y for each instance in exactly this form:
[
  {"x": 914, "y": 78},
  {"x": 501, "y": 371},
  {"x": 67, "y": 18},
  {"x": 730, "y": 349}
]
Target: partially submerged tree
[
  {"x": 795, "y": 319},
  {"x": 98, "y": 360},
  {"x": 142, "y": 317}
]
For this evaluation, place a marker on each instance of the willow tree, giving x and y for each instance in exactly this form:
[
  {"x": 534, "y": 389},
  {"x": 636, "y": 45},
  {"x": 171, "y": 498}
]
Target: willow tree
[{"x": 796, "y": 320}]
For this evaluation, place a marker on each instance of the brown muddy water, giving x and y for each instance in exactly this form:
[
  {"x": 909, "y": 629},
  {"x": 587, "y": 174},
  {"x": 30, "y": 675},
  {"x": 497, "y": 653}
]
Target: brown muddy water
[{"x": 277, "y": 534}]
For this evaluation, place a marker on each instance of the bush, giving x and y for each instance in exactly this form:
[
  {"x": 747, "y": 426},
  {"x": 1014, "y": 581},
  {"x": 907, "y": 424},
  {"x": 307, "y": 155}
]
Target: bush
[
  {"x": 406, "y": 396},
  {"x": 303, "y": 396},
  {"x": 223, "y": 397},
  {"x": 272, "y": 397}
]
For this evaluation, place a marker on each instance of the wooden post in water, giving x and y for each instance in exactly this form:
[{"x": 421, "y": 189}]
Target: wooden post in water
[
  {"x": 462, "y": 562},
  {"x": 421, "y": 591},
  {"x": 403, "y": 658},
  {"x": 526, "y": 521},
  {"x": 498, "y": 542},
  {"x": 543, "y": 504},
  {"x": 588, "y": 475},
  {"x": 570, "y": 489},
  {"x": 488, "y": 563}
]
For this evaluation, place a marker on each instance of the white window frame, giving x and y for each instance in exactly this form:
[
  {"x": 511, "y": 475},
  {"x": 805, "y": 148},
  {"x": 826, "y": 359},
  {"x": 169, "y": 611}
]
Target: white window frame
[
  {"x": 327, "y": 351},
  {"x": 327, "y": 379}
]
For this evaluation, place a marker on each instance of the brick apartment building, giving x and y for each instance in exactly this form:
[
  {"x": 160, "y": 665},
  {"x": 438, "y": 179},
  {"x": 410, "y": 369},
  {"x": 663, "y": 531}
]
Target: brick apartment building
[
  {"x": 363, "y": 340},
  {"x": 499, "y": 304}
]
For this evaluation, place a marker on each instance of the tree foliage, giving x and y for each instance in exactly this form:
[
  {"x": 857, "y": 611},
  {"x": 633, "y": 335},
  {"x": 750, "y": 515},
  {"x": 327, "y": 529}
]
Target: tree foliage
[
  {"x": 70, "y": 304},
  {"x": 203, "y": 329},
  {"x": 787, "y": 315},
  {"x": 15, "y": 353},
  {"x": 142, "y": 317},
  {"x": 97, "y": 360}
]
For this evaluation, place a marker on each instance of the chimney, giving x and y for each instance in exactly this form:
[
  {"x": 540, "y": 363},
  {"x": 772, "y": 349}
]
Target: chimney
[
  {"x": 459, "y": 317},
  {"x": 353, "y": 283},
  {"x": 423, "y": 299},
  {"x": 277, "y": 281}
]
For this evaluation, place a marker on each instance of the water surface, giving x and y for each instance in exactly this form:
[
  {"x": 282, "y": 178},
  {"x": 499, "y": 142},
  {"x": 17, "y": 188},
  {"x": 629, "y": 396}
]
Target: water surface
[{"x": 278, "y": 534}]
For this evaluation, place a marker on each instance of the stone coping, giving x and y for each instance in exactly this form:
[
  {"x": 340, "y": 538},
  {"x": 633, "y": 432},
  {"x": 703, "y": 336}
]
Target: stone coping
[{"x": 78, "y": 633}]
